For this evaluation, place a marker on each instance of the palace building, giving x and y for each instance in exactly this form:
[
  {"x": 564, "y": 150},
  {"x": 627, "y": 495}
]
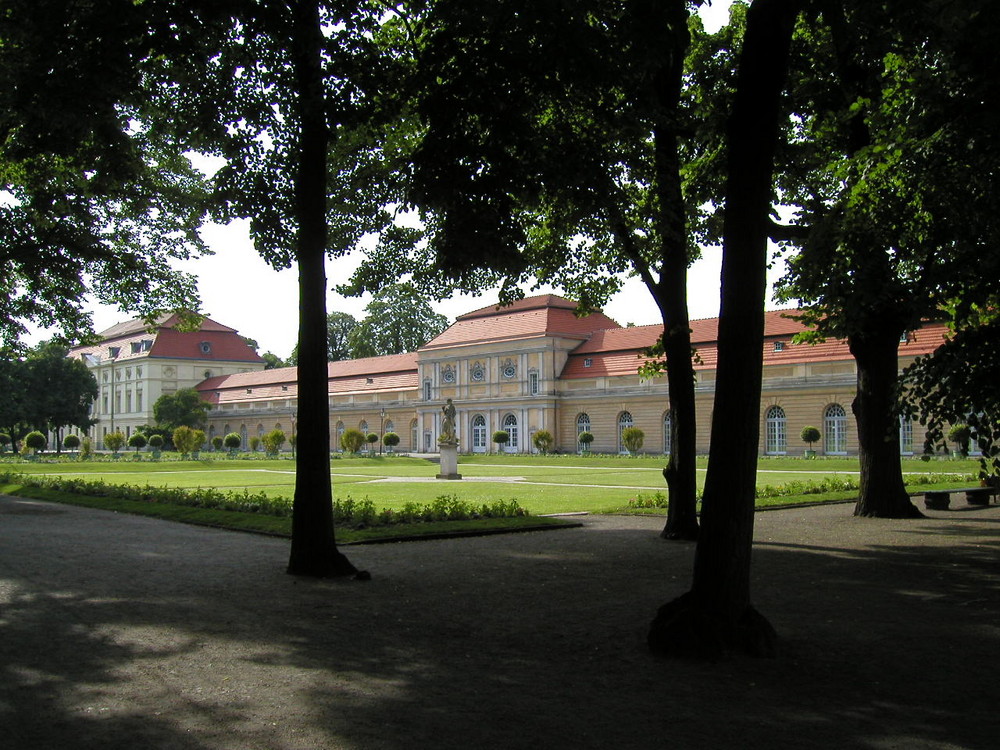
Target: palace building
[{"x": 533, "y": 365}]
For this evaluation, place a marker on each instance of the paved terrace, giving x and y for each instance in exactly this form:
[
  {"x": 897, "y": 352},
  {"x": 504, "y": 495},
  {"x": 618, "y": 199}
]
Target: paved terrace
[{"x": 124, "y": 632}]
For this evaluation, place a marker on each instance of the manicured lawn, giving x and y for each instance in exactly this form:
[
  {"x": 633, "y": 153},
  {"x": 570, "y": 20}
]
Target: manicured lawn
[{"x": 541, "y": 484}]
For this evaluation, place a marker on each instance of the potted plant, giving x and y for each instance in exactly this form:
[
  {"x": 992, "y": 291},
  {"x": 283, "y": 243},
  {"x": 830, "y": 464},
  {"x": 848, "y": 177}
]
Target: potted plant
[
  {"x": 156, "y": 443},
  {"x": 137, "y": 441},
  {"x": 114, "y": 441},
  {"x": 501, "y": 438},
  {"x": 543, "y": 441},
  {"x": 585, "y": 438},
  {"x": 273, "y": 441},
  {"x": 36, "y": 442},
  {"x": 632, "y": 439},
  {"x": 352, "y": 439},
  {"x": 810, "y": 435},
  {"x": 232, "y": 441},
  {"x": 959, "y": 434},
  {"x": 390, "y": 440}
]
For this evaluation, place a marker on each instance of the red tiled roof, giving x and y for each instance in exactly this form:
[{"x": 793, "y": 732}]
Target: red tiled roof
[
  {"x": 394, "y": 372},
  {"x": 131, "y": 339},
  {"x": 547, "y": 315},
  {"x": 616, "y": 352}
]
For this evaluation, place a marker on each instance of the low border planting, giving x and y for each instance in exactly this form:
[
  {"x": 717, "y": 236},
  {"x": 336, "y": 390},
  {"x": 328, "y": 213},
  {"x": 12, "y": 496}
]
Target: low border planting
[
  {"x": 799, "y": 488},
  {"x": 348, "y": 512}
]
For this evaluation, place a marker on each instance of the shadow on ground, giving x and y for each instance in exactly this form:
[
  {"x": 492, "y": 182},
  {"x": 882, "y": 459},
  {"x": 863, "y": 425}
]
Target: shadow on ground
[{"x": 123, "y": 632}]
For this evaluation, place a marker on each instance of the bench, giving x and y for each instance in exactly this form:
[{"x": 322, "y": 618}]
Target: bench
[{"x": 940, "y": 499}]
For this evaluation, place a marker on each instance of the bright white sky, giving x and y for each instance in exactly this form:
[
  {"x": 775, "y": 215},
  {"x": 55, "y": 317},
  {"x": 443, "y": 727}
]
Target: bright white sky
[{"x": 240, "y": 290}]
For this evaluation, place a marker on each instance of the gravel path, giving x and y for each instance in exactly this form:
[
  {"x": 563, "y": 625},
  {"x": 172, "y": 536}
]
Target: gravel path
[{"x": 124, "y": 632}]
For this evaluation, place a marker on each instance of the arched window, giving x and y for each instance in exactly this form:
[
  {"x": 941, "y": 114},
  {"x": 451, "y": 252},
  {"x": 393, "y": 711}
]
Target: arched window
[
  {"x": 624, "y": 420},
  {"x": 582, "y": 425},
  {"x": 510, "y": 426},
  {"x": 260, "y": 430},
  {"x": 835, "y": 430},
  {"x": 363, "y": 426},
  {"x": 480, "y": 440},
  {"x": 775, "y": 437},
  {"x": 414, "y": 436},
  {"x": 668, "y": 437},
  {"x": 388, "y": 426},
  {"x": 278, "y": 426},
  {"x": 243, "y": 436},
  {"x": 905, "y": 435}
]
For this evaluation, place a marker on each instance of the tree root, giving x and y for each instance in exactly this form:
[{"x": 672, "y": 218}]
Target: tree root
[{"x": 684, "y": 629}]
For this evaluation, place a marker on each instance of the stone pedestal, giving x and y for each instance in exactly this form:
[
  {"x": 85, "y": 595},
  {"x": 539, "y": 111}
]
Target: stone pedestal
[{"x": 449, "y": 461}]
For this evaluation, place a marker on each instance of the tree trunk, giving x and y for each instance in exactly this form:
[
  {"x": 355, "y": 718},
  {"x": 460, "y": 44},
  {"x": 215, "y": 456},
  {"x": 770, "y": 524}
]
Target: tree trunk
[
  {"x": 716, "y": 615},
  {"x": 670, "y": 290},
  {"x": 882, "y": 493},
  {"x": 314, "y": 548}
]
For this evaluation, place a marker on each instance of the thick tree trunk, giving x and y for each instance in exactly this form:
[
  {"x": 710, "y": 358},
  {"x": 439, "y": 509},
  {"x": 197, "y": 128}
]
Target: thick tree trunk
[
  {"x": 882, "y": 493},
  {"x": 716, "y": 615},
  {"x": 314, "y": 548}
]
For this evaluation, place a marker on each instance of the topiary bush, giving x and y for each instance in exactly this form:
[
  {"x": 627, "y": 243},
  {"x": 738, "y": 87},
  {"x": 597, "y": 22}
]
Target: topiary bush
[
  {"x": 632, "y": 439},
  {"x": 351, "y": 440},
  {"x": 543, "y": 441}
]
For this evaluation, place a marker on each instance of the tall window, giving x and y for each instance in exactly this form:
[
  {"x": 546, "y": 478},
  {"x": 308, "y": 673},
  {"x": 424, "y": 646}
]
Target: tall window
[
  {"x": 582, "y": 425},
  {"x": 480, "y": 441},
  {"x": 905, "y": 435},
  {"x": 775, "y": 437},
  {"x": 668, "y": 443},
  {"x": 510, "y": 426},
  {"x": 533, "y": 383},
  {"x": 364, "y": 427},
  {"x": 427, "y": 390},
  {"x": 414, "y": 435},
  {"x": 624, "y": 420},
  {"x": 339, "y": 429},
  {"x": 835, "y": 429}
]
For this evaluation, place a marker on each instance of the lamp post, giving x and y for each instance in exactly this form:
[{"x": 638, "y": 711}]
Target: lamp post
[{"x": 381, "y": 429}]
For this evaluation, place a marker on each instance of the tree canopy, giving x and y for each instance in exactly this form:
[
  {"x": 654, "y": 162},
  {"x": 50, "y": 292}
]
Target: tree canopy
[
  {"x": 398, "y": 319},
  {"x": 97, "y": 195},
  {"x": 182, "y": 408}
]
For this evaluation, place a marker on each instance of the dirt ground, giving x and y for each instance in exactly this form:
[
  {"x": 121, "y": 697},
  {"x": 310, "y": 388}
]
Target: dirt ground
[{"x": 125, "y": 632}]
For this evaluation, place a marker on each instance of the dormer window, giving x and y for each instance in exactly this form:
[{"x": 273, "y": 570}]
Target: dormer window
[
  {"x": 588, "y": 362},
  {"x": 779, "y": 346},
  {"x": 114, "y": 351},
  {"x": 904, "y": 338}
]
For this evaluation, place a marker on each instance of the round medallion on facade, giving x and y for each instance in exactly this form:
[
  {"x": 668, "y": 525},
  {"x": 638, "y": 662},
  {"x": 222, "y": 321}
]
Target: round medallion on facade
[
  {"x": 478, "y": 374},
  {"x": 448, "y": 375}
]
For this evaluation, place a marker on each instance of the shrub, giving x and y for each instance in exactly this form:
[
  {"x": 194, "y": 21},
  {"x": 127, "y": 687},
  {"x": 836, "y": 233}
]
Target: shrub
[
  {"x": 198, "y": 440},
  {"x": 632, "y": 439},
  {"x": 86, "y": 449},
  {"x": 352, "y": 440},
  {"x": 810, "y": 435},
  {"x": 390, "y": 440},
  {"x": 35, "y": 440},
  {"x": 500, "y": 437},
  {"x": 254, "y": 443},
  {"x": 371, "y": 438},
  {"x": 543, "y": 440},
  {"x": 585, "y": 438},
  {"x": 4, "y": 442},
  {"x": 72, "y": 442},
  {"x": 156, "y": 442},
  {"x": 217, "y": 443},
  {"x": 114, "y": 441}
]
